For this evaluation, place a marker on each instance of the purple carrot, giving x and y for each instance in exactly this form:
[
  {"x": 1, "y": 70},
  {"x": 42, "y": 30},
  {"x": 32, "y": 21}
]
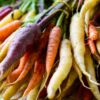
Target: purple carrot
[
  {"x": 5, "y": 11},
  {"x": 25, "y": 37}
]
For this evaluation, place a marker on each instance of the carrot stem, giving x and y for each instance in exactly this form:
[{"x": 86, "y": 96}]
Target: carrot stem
[{"x": 59, "y": 22}]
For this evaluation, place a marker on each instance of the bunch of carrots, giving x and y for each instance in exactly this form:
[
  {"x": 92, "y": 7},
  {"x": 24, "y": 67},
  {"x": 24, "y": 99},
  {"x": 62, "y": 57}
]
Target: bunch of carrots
[{"x": 50, "y": 50}]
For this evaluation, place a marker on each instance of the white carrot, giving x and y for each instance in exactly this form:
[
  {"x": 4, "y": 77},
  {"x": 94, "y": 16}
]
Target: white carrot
[
  {"x": 63, "y": 69},
  {"x": 76, "y": 68},
  {"x": 88, "y": 4},
  {"x": 70, "y": 81},
  {"x": 91, "y": 70},
  {"x": 78, "y": 45}
]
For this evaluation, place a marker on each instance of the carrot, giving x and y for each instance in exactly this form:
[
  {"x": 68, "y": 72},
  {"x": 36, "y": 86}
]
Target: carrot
[
  {"x": 70, "y": 81},
  {"x": 14, "y": 15},
  {"x": 63, "y": 68},
  {"x": 28, "y": 39},
  {"x": 88, "y": 16},
  {"x": 26, "y": 69},
  {"x": 5, "y": 46},
  {"x": 54, "y": 40},
  {"x": 15, "y": 64},
  {"x": 14, "y": 75},
  {"x": 33, "y": 93},
  {"x": 6, "y": 40},
  {"x": 29, "y": 15},
  {"x": 93, "y": 33},
  {"x": 44, "y": 39},
  {"x": 6, "y": 30},
  {"x": 4, "y": 50},
  {"x": 76, "y": 68},
  {"x": 36, "y": 76},
  {"x": 5, "y": 11},
  {"x": 91, "y": 70},
  {"x": 92, "y": 46},
  {"x": 88, "y": 4},
  {"x": 53, "y": 44},
  {"x": 78, "y": 45},
  {"x": 20, "y": 91},
  {"x": 3, "y": 85},
  {"x": 50, "y": 53},
  {"x": 11, "y": 90}
]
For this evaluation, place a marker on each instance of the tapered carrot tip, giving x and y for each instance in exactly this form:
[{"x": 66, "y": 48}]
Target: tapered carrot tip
[{"x": 93, "y": 33}]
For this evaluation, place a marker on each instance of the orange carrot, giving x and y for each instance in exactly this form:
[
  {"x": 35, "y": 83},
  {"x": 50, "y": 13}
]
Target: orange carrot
[
  {"x": 14, "y": 75},
  {"x": 6, "y": 30},
  {"x": 36, "y": 55},
  {"x": 92, "y": 46},
  {"x": 53, "y": 44},
  {"x": 36, "y": 76},
  {"x": 27, "y": 67},
  {"x": 44, "y": 39},
  {"x": 93, "y": 33}
]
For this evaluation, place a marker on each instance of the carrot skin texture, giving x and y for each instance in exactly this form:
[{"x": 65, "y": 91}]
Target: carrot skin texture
[
  {"x": 93, "y": 33},
  {"x": 62, "y": 70},
  {"x": 27, "y": 68},
  {"x": 30, "y": 37},
  {"x": 44, "y": 39},
  {"x": 43, "y": 42},
  {"x": 53, "y": 44},
  {"x": 91, "y": 70},
  {"x": 13, "y": 15},
  {"x": 14, "y": 75},
  {"x": 5, "y": 11},
  {"x": 92, "y": 46},
  {"x": 36, "y": 77},
  {"x": 6, "y": 30}
]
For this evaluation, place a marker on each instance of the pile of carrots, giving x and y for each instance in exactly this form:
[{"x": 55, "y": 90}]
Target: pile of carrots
[{"x": 50, "y": 50}]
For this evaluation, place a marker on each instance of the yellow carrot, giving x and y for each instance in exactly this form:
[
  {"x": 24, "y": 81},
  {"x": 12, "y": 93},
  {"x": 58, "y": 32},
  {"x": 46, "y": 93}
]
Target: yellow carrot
[
  {"x": 91, "y": 70},
  {"x": 63, "y": 69},
  {"x": 9, "y": 70},
  {"x": 29, "y": 15},
  {"x": 10, "y": 91},
  {"x": 69, "y": 82},
  {"x": 14, "y": 15}
]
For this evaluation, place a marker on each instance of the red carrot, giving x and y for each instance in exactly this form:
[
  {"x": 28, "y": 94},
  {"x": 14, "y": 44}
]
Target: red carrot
[{"x": 5, "y": 11}]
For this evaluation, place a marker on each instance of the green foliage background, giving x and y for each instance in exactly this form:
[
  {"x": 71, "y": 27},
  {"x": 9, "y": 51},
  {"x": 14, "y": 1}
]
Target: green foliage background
[{"x": 6, "y": 2}]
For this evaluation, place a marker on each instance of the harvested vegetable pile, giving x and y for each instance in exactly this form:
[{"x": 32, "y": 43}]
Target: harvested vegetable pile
[{"x": 49, "y": 49}]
